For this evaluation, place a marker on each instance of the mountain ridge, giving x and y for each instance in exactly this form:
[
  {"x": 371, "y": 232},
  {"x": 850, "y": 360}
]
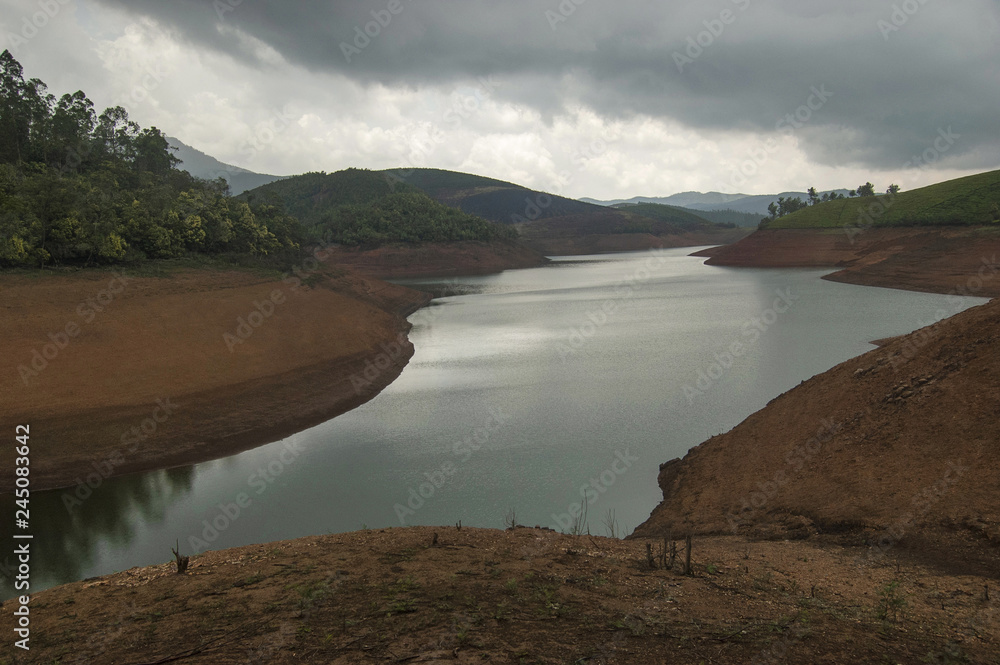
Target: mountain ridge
[
  {"x": 748, "y": 203},
  {"x": 203, "y": 165}
]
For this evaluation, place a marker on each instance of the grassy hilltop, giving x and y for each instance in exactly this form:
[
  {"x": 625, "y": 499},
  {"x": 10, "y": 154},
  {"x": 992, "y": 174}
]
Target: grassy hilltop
[{"x": 970, "y": 201}]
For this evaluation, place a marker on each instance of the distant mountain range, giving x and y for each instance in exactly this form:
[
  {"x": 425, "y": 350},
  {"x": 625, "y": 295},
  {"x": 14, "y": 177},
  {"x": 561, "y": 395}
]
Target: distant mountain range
[
  {"x": 207, "y": 167},
  {"x": 747, "y": 203}
]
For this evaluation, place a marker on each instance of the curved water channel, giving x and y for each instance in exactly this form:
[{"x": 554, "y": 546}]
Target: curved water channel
[{"x": 531, "y": 390}]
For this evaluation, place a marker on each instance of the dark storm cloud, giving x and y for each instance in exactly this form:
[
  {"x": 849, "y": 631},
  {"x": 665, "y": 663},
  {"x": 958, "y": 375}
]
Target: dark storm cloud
[{"x": 859, "y": 82}]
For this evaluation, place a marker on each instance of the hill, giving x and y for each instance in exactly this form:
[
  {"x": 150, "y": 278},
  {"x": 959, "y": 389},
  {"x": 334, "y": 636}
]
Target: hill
[
  {"x": 360, "y": 207},
  {"x": 939, "y": 238},
  {"x": 680, "y": 217},
  {"x": 970, "y": 201},
  {"x": 380, "y": 227},
  {"x": 207, "y": 167},
  {"x": 558, "y": 225},
  {"x": 752, "y": 204},
  {"x": 496, "y": 200},
  {"x": 896, "y": 448}
]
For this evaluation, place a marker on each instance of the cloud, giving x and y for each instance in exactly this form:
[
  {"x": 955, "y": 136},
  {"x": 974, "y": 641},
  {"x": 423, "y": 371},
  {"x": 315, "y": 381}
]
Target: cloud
[
  {"x": 897, "y": 76},
  {"x": 692, "y": 93}
]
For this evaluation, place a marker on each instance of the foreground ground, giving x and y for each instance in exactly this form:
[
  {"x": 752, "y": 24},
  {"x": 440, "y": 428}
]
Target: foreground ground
[
  {"x": 520, "y": 596},
  {"x": 116, "y": 375}
]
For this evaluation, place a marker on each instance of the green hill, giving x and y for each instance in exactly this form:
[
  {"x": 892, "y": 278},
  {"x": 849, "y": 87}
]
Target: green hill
[
  {"x": 969, "y": 201},
  {"x": 541, "y": 215},
  {"x": 495, "y": 200},
  {"x": 681, "y": 218},
  {"x": 361, "y": 207}
]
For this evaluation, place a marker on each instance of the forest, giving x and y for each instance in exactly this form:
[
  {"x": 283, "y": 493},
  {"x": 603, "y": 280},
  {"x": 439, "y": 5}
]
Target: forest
[
  {"x": 78, "y": 188},
  {"x": 81, "y": 188}
]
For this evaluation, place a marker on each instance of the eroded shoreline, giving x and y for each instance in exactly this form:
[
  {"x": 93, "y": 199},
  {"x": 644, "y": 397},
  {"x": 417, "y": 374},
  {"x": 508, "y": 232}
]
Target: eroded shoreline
[{"x": 238, "y": 361}]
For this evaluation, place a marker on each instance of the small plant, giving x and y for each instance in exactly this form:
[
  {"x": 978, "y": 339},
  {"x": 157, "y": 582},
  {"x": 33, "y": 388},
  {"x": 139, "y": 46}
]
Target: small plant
[
  {"x": 510, "y": 586},
  {"x": 891, "y": 602},
  {"x": 580, "y": 522},
  {"x": 762, "y": 582},
  {"x": 510, "y": 519},
  {"x": 181, "y": 561},
  {"x": 611, "y": 523},
  {"x": 252, "y": 579},
  {"x": 405, "y": 584},
  {"x": 952, "y": 653}
]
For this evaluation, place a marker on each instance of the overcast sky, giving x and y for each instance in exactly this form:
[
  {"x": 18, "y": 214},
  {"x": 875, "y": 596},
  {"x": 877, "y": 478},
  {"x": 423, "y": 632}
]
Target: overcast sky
[{"x": 583, "y": 97}]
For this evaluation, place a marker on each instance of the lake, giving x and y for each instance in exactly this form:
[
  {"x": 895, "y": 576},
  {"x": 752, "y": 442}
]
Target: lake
[{"x": 537, "y": 391}]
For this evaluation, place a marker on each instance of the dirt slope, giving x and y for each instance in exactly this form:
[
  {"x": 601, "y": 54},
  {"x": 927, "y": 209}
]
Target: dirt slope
[
  {"x": 428, "y": 594},
  {"x": 454, "y": 258},
  {"x": 603, "y": 243},
  {"x": 940, "y": 260},
  {"x": 118, "y": 376},
  {"x": 899, "y": 445}
]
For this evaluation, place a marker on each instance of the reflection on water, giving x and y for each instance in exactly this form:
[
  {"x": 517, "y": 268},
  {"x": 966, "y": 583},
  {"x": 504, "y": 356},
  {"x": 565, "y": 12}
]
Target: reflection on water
[
  {"x": 531, "y": 390},
  {"x": 70, "y": 533}
]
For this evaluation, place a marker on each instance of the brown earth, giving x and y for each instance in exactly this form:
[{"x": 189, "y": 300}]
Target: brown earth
[
  {"x": 150, "y": 380},
  {"x": 897, "y": 446},
  {"x": 455, "y": 258},
  {"x": 604, "y": 243},
  {"x": 517, "y": 596},
  {"x": 934, "y": 259}
]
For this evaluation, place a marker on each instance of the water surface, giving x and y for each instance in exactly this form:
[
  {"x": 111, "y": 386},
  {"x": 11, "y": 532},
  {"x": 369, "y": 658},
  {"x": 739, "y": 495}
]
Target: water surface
[{"x": 532, "y": 390}]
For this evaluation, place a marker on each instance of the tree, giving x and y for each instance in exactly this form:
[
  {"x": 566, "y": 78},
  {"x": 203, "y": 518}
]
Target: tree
[
  {"x": 893, "y": 189},
  {"x": 785, "y": 206},
  {"x": 866, "y": 189},
  {"x": 813, "y": 196},
  {"x": 72, "y": 124},
  {"x": 852, "y": 193},
  {"x": 152, "y": 152},
  {"x": 115, "y": 134}
]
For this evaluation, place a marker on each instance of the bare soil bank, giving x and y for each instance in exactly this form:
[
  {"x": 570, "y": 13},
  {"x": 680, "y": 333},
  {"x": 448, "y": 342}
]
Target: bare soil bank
[
  {"x": 438, "y": 594},
  {"x": 117, "y": 376},
  {"x": 898, "y": 447},
  {"x": 455, "y": 258},
  {"x": 629, "y": 242},
  {"x": 937, "y": 260}
]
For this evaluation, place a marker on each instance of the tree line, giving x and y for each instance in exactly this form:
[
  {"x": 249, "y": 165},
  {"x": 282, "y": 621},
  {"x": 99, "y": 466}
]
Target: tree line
[
  {"x": 78, "y": 187},
  {"x": 82, "y": 188},
  {"x": 787, "y": 205}
]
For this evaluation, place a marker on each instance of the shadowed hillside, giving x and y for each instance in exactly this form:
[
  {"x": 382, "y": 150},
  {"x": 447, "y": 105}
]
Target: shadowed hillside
[{"x": 558, "y": 225}]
